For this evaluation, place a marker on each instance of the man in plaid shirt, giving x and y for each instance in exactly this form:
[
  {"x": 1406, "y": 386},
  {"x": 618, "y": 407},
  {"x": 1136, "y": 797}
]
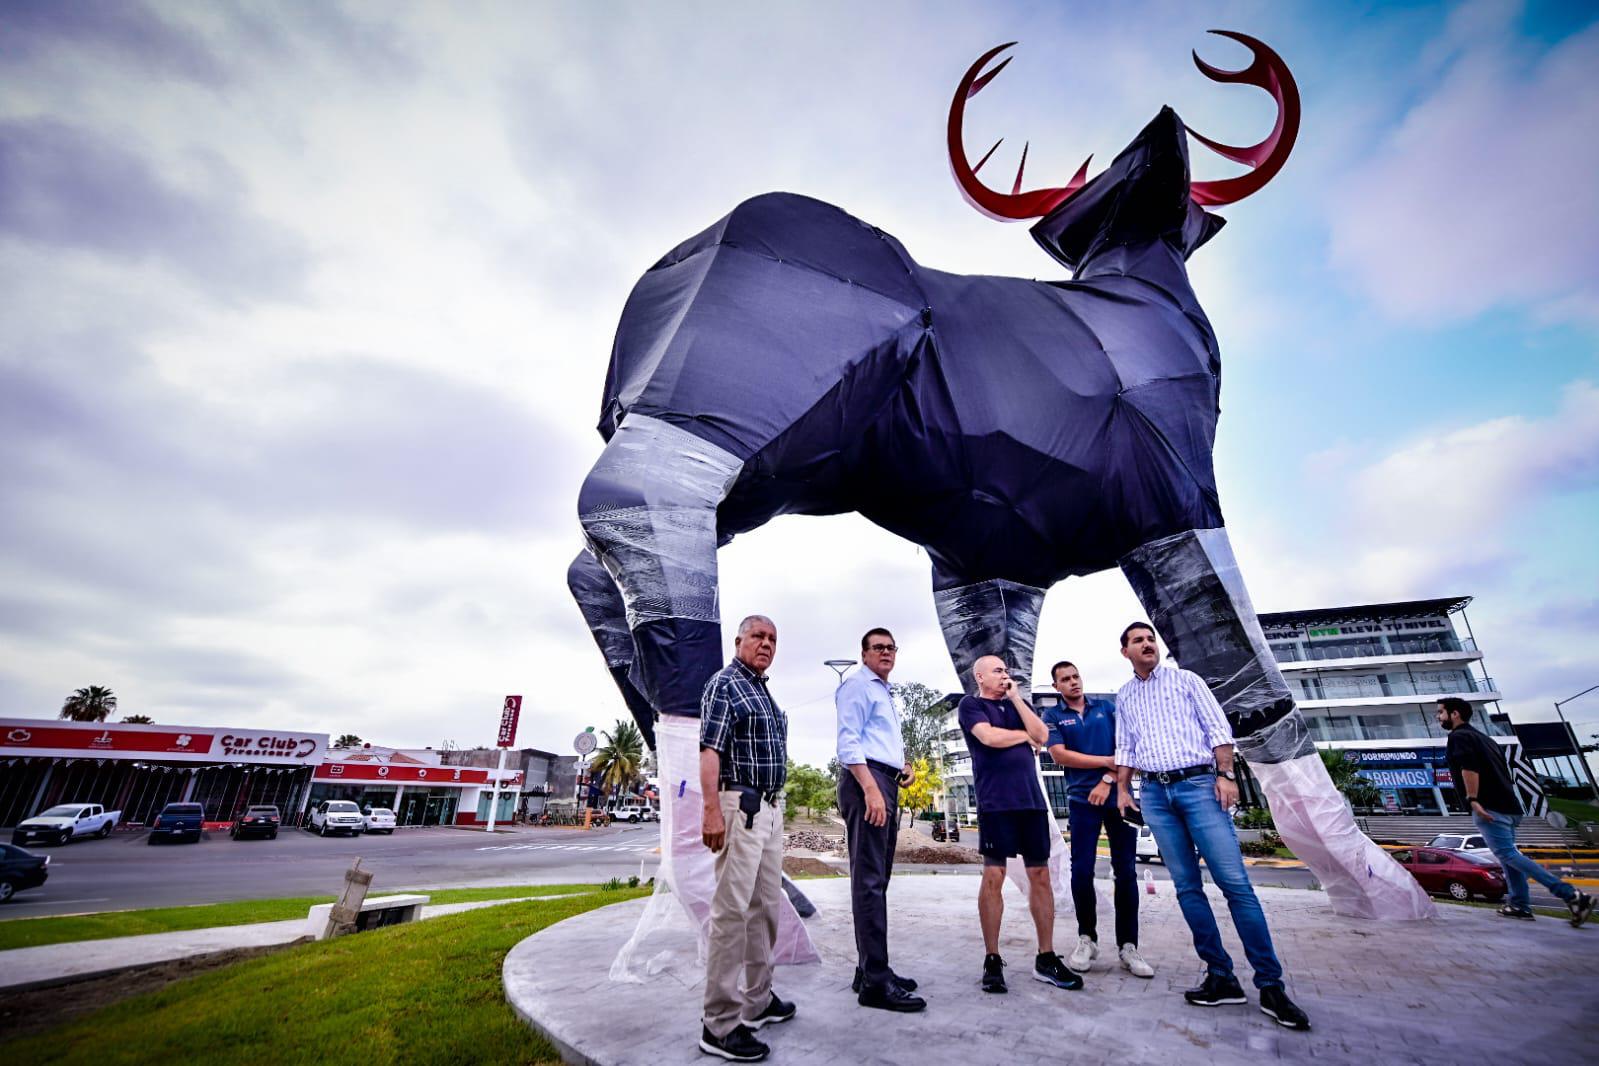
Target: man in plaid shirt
[{"x": 743, "y": 755}]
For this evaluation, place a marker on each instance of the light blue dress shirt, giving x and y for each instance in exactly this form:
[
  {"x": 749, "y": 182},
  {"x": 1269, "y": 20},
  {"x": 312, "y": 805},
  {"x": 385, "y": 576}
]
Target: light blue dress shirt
[{"x": 868, "y": 723}]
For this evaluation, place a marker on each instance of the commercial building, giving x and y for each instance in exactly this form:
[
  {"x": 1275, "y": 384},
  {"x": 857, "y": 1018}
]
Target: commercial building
[
  {"x": 138, "y": 769},
  {"x": 1368, "y": 679}
]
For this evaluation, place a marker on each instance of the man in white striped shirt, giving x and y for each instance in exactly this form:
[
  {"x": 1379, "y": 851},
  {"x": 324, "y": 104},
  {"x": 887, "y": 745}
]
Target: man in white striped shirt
[{"x": 1171, "y": 729}]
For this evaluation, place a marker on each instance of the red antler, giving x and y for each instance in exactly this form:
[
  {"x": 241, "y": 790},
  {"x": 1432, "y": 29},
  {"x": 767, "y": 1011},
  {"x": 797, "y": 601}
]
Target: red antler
[
  {"x": 1018, "y": 204},
  {"x": 1267, "y": 71}
]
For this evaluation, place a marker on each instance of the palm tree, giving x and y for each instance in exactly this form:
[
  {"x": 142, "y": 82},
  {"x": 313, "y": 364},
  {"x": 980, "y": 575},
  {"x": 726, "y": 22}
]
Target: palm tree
[
  {"x": 617, "y": 761},
  {"x": 348, "y": 740},
  {"x": 1345, "y": 774},
  {"x": 138, "y": 719},
  {"x": 90, "y": 704}
]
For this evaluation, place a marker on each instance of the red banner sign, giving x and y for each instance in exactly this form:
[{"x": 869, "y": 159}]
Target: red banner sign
[
  {"x": 409, "y": 775},
  {"x": 92, "y": 740},
  {"x": 508, "y": 717}
]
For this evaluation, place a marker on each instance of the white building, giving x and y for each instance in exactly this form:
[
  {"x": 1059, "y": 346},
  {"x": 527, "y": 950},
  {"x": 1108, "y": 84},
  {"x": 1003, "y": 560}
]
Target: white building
[{"x": 1368, "y": 679}]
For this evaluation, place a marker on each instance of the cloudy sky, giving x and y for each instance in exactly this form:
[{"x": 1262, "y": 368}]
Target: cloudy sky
[{"x": 307, "y": 307}]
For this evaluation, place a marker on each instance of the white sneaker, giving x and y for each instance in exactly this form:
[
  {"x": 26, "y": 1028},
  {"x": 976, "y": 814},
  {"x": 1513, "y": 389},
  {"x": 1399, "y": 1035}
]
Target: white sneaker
[
  {"x": 1084, "y": 954},
  {"x": 1134, "y": 963}
]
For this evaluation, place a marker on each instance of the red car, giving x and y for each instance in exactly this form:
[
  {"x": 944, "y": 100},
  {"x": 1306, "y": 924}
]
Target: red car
[{"x": 1457, "y": 874}]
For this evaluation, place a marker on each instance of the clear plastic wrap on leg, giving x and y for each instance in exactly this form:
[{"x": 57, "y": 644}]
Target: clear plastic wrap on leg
[
  {"x": 989, "y": 618},
  {"x": 1194, "y": 592},
  {"x": 686, "y": 880},
  {"x": 1361, "y": 879}
]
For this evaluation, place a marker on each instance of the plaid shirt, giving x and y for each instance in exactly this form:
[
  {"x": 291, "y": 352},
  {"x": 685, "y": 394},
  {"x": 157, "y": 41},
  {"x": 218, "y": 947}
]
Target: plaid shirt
[{"x": 742, "y": 723}]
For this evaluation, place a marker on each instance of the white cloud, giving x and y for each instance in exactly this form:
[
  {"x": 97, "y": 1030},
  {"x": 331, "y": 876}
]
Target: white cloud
[{"x": 1482, "y": 197}]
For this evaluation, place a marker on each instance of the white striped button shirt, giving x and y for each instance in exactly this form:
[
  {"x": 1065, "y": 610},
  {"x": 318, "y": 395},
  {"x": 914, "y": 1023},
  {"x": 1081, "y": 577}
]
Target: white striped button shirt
[{"x": 1168, "y": 721}]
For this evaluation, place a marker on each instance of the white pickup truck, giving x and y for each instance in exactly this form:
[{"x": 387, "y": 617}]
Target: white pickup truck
[{"x": 66, "y": 822}]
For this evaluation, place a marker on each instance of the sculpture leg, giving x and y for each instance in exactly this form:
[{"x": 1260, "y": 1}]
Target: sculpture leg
[
  {"x": 601, "y": 603},
  {"x": 997, "y": 617},
  {"x": 1191, "y": 586},
  {"x": 648, "y": 509}
]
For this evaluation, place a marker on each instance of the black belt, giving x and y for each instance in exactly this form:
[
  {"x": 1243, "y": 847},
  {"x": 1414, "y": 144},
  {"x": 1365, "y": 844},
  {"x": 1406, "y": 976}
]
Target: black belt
[
  {"x": 1171, "y": 777},
  {"x": 770, "y": 798},
  {"x": 893, "y": 772}
]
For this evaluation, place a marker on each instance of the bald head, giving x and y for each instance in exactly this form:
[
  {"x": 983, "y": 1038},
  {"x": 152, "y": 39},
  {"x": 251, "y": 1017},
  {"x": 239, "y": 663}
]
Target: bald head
[{"x": 991, "y": 676}]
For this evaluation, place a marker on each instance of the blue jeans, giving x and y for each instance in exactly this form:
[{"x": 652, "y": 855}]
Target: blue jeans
[
  {"x": 1190, "y": 825},
  {"x": 1501, "y": 837},
  {"x": 1084, "y": 820}
]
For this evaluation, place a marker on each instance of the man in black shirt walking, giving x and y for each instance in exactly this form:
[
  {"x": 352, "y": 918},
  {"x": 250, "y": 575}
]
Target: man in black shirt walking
[{"x": 1482, "y": 777}]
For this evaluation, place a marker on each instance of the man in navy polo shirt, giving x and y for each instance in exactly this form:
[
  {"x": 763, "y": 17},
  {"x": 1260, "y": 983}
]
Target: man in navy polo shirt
[
  {"x": 1082, "y": 738},
  {"x": 1002, "y": 732}
]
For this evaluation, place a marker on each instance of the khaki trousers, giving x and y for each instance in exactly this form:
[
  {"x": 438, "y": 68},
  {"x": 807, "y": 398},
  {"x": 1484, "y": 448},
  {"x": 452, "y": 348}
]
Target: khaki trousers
[{"x": 749, "y": 890}]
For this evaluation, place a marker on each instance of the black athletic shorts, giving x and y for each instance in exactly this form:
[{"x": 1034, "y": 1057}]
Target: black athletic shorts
[{"x": 1005, "y": 833}]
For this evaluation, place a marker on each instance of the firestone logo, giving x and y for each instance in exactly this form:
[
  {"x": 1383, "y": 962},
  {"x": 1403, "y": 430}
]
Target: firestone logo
[{"x": 286, "y": 747}]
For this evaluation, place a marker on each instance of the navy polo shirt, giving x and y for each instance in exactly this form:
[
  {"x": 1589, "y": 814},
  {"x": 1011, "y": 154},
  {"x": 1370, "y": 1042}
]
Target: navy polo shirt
[{"x": 1091, "y": 733}]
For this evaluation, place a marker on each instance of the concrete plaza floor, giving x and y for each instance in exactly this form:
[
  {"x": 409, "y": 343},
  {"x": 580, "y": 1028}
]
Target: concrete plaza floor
[{"x": 1467, "y": 986}]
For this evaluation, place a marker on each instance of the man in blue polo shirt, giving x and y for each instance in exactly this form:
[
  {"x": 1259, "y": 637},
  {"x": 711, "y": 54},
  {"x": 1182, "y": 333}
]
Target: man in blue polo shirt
[{"x": 1082, "y": 738}]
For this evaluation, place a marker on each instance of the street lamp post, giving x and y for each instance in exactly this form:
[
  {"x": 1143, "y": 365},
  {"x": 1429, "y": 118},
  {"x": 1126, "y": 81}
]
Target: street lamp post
[
  {"x": 839, "y": 666},
  {"x": 1582, "y": 760}
]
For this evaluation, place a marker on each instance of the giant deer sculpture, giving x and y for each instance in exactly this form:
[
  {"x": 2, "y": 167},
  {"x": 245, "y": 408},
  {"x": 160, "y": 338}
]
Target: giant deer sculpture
[{"x": 793, "y": 359}]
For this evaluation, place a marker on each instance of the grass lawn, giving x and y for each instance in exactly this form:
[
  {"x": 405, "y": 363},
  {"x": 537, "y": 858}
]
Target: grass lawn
[
  {"x": 34, "y": 932},
  {"x": 426, "y": 992},
  {"x": 1576, "y": 811}
]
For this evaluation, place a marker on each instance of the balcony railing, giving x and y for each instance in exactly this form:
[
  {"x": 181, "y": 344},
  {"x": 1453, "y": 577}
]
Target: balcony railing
[
  {"x": 1310, "y": 691},
  {"x": 1401, "y": 646}
]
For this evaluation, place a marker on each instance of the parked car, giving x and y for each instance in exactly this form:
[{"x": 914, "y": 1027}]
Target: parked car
[
  {"x": 634, "y": 812},
  {"x": 1457, "y": 874},
  {"x": 378, "y": 820},
  {"x": 66, "y": 822},
  {"x": 20, "y": 869},
  {"x": 178, "y": 821},
  {"x": 1459, "y": 842},
  {"x": 1145, "y": 850},
  {"x": 257, "y": 822},
  {"x": 336, "y": 816}
]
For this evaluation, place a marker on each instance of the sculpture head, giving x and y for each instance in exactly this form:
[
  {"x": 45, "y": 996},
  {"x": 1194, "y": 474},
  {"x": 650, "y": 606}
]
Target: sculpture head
[{"x": 1146, "y": 191}]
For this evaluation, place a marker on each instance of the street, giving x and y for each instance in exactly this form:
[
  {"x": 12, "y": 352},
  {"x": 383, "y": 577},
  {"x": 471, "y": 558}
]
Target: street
[{"x": 123, "y": 872}]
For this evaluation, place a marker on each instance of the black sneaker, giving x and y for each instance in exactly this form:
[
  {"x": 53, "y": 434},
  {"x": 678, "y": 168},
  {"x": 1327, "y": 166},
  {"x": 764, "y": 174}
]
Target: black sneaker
[
  {"x": 1050, "y": 969},
  {"x": 892, "y": 997},
  {"x": 907, "y": 983},
  {"x": 1274, "y": 1003},
  {"x": 776, "y": 1011},
  {"x": 1581, "y": 906},
  {"x": 1507, "y": 911},
  {"x": 1215, "y": 991},
  {"x": 739, "y": 1045},
  {"x": 993, "y": 973}
]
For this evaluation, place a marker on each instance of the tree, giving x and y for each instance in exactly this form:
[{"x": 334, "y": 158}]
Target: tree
[
  {"x": 348, "y": 740},
  {"x": 616, "y": 762},
  {"x": 138, "y": 719},
  {"x": 922, "y": 711},
  {"x": 919, "y": 794},
  {"x": 1345, "y": 774},
  {"x": 90, "y": 704},
  {"x": 808, "y": 787}
]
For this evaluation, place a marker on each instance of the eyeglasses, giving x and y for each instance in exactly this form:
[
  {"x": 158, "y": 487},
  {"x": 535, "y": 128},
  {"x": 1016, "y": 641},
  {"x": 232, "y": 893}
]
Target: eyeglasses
[{"x": 882, "y": 647}]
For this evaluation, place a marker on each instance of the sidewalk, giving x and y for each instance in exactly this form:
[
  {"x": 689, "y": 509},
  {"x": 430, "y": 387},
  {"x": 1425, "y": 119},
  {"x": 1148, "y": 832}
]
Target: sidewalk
[
  {"x": 1467, "y": 986},
  {"x": 24, "y": 968}
]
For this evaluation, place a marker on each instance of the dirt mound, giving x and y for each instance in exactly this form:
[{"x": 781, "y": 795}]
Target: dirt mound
[
  {"x": 804, "y": 865},
  {"x": 923, "y": 851}
]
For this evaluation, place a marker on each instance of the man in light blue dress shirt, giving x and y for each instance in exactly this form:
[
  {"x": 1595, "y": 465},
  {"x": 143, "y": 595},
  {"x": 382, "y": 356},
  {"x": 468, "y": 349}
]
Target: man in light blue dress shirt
[
  {"x": 872, "y": 753},
  {"x": 1170, "y": 728}
]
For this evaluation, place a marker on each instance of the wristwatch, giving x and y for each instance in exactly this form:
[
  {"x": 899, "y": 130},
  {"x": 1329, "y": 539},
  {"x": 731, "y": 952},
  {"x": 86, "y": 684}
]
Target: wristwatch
[
  {"x": 1228, "y": 774},
  {"x": 1109, "y": 779}
]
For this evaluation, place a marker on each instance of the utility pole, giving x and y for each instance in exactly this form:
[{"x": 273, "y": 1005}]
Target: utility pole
[{"x": 1582, "y": 760}]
